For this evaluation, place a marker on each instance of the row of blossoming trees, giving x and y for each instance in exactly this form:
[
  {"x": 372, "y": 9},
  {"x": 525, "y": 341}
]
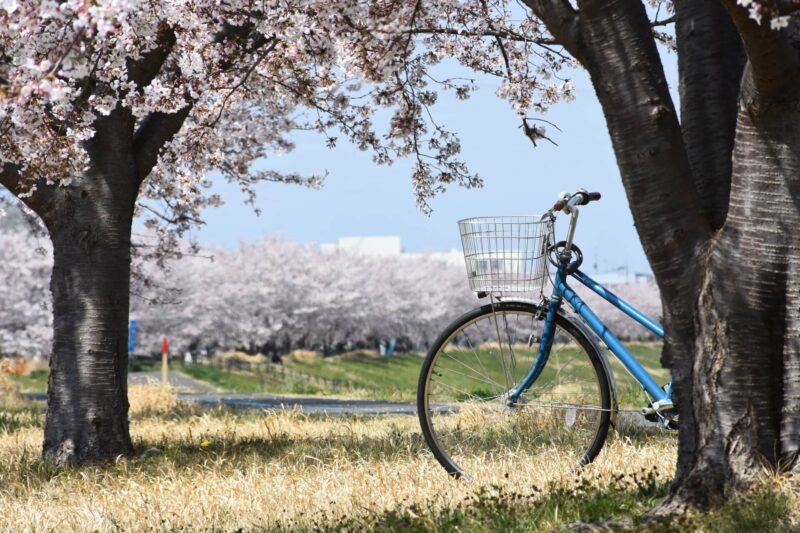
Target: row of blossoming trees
[{"x": 271, "y": 296}]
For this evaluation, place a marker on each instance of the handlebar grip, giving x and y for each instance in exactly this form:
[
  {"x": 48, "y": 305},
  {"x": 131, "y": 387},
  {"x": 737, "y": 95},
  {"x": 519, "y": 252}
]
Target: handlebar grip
[
  {"x": 589, "y": 197},
  {"x": 558, "y": 206}
]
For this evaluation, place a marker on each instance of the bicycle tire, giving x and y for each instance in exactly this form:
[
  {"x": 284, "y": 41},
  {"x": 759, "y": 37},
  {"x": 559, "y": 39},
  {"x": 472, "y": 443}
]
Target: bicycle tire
[{"x": 429, "y": 417}]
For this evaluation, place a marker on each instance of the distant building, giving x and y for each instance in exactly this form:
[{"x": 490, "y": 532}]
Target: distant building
[
  {"x": 373, "y": 246},
  {"x": 387, "y": 246}
]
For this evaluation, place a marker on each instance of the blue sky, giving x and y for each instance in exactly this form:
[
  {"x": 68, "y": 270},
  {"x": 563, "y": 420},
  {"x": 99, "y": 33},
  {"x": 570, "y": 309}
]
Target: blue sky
[{"x": 361, "y": 198}]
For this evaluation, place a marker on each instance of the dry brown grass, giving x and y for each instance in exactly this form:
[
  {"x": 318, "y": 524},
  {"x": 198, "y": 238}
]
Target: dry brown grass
[
  {"x": 304, "y": 355},
  {"x": 241, "y": 357},
  {"x": 9, "y": 392},
  {"x": 152, "y": 399},
  {"x": 217, "y": 470},
  {"x": 286, "y": 470}
]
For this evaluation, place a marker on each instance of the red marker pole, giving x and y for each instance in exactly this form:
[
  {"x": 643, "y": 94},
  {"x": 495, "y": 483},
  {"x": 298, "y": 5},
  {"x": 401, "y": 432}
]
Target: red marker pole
[{"x": 164, "y": 359}]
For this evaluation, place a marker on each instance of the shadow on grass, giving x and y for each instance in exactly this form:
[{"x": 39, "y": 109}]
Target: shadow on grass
[
  {"x": 618, "y": 506},
  {"x": 497, "y": 509},
  {"x": 236, "y": 450}
]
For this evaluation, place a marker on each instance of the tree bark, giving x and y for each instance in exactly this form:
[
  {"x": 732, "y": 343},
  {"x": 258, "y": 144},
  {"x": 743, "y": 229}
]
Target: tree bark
[
  {"x": 711, "y": 60},
  {"x": 90, "y": 226},
  {"x": 746, "y": 373}
]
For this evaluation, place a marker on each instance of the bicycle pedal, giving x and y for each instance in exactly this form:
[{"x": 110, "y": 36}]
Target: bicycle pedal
[{"x": 652, "y": 417}]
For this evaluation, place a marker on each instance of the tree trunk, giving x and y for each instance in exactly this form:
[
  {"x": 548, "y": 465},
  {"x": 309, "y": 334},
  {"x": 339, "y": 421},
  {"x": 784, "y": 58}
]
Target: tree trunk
[
  {"x": 90, "y": 226},
  {"x": 711, "y": 59},
  {"x": 746, "y": 372},
  {"x": 87, "y": 417}
]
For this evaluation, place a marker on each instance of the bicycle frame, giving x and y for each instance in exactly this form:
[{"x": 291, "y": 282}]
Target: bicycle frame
[{"x": 562, "y": 292}]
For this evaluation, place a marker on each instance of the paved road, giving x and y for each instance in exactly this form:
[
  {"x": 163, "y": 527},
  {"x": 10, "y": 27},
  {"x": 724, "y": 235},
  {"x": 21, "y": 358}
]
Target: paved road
[
  {"x": 204, "y": 394},
  {"x": 307, "y": 404},
  {"x": 181, "y": 382},
  {"x": 275, "y": 403}
]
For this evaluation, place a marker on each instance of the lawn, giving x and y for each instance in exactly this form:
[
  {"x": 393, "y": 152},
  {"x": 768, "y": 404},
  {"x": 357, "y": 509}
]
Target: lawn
[
  {"x": 36, "y": 381},
  {"x": 397, "y": 376},
  {"x": 258, "y": 381},
  {"x": 286, "y": 471},
  {"x": 383, "y": 377},
  {"x": 369, "y": 376}
]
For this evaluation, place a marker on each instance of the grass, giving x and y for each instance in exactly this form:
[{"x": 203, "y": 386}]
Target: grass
[
  {"x": 250, "y": 382},
  {"x": 368, "y": 376},
  {"x": 36, "y": 381},
  {"x": 388, "y": 377},
  {"x": 397, "y": 376},
  {"x": 286, "y": 471}
]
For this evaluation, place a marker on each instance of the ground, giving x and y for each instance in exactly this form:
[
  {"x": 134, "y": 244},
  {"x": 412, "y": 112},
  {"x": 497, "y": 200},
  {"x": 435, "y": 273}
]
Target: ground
[
  {"x": 216, "y": 468},
  {"x": 362, "y": 376},
  {"x": 225, "y": 470}
]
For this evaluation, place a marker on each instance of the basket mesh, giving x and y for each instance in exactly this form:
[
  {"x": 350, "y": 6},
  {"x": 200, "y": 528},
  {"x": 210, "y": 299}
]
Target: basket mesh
[{"x": 506, "y": 254}]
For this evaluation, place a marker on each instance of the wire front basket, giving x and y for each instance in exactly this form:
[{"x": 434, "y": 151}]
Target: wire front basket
[{"x": 506, "y": 254}]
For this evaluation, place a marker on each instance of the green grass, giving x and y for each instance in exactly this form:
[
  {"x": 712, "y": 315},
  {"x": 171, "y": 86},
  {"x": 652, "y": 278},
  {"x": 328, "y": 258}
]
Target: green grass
[
  {"x": 36, "y": 381},
  {"x": 394, "y": 376},
  {"x": 496, "y": 508},
  {"x": 247, "y": 382},
  {"x": 629, "y": 392},
  {"x": 380, "y": 377}
]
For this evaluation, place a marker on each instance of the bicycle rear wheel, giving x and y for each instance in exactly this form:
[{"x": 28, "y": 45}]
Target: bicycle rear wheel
[{"x": 463, "y": 393}]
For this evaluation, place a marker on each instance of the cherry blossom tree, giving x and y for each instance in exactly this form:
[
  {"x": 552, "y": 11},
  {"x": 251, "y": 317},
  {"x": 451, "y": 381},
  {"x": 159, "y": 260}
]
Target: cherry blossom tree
[
  {"x": 116, "y": 108},
  {"x": 25, "y": 306},
  {"x": 273, "y": 296}
]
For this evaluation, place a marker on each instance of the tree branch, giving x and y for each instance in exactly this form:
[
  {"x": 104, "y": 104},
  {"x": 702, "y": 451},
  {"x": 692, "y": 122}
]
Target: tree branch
[
  {"x": 664, "y": 22},
  {"x": 159, "y": 128},
  {"x": 12, "y": 180},
  {"x": 144, "y": 70},
  {"x": 155, "y": 131},
  {"x": 773, "y": 55},
  {"x": 710, "y": 64},
  {"x": 787, "y": 7},
  {"x": 563, "y": 23},
  {"x": 510, "y": 36}
]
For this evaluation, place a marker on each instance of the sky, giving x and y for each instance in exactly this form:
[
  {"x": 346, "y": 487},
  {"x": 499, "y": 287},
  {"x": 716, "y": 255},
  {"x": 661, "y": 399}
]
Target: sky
[{"x": 360, "y": 198}]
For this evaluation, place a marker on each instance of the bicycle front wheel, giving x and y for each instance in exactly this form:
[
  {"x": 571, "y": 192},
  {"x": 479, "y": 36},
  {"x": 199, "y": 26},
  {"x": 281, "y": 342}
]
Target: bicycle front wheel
[{"x": 463, "y": 398}]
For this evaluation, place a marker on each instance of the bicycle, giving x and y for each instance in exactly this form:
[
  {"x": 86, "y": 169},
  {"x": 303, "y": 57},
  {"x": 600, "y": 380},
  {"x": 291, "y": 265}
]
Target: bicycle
[{"x": 520, "y": 376}]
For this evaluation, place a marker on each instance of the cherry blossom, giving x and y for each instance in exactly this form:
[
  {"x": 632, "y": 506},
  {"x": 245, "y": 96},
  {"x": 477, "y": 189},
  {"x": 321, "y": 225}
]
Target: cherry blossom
[{"x": 241, "y": 80}]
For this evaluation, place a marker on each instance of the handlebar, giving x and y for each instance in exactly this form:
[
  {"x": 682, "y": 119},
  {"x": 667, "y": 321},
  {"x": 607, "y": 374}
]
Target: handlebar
[
  {"x": 567, "y": 203},
  {"x": 581, "y": 197}
]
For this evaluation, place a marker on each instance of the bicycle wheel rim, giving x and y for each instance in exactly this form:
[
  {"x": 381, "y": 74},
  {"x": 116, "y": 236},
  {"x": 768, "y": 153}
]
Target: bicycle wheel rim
[{"x": 463, "y": 396}]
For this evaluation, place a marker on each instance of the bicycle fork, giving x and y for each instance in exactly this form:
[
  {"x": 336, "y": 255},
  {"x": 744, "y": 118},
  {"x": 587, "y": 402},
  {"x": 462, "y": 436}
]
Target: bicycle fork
[{"x": 545, "y": 343}]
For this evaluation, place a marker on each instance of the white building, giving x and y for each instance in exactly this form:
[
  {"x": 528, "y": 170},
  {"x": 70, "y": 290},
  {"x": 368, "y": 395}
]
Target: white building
[
  {"x": 387, "y": 246},
  {"x": 374, "y": 246}
]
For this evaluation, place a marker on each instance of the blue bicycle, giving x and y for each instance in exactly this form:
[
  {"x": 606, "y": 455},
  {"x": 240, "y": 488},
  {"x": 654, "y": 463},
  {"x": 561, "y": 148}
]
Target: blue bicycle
[{"x": 526, "y": 377}]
